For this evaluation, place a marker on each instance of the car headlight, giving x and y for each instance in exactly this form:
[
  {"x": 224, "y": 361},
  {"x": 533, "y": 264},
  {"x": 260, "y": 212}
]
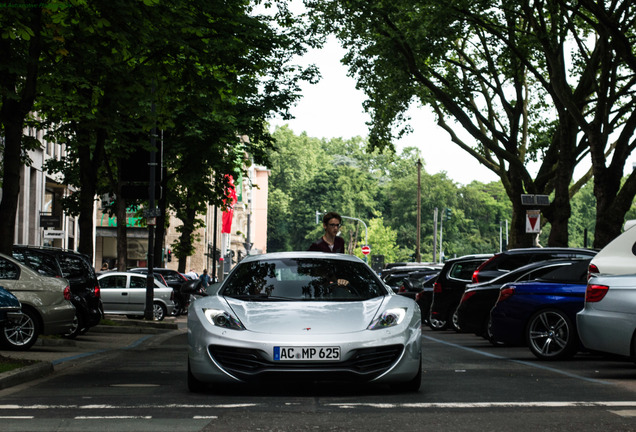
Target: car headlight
[
  {"x": 220, "y": 318},
  {"x": 389, "y": 318}
]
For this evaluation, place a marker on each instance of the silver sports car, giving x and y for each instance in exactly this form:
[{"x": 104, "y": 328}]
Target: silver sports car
[{"x": 304, "y": 315}]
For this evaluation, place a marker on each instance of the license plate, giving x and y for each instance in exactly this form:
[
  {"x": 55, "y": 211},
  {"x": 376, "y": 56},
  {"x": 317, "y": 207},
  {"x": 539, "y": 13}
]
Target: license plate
[{"x": 306, "y": 353}]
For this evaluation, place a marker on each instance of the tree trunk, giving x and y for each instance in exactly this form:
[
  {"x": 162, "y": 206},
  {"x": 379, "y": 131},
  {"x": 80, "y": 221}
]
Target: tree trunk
[
  {"x": 89, "y": 161},
  {"x": 15, "y": 108},
  {"x": 10, "y": 181},
  {"x": 185, "y": 240},
  {"x": 122, "y": 239}
]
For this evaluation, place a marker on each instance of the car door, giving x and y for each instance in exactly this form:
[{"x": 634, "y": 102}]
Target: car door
[
  {"x": 137, "y": 294},
  {"x": 114, "y": 293}
]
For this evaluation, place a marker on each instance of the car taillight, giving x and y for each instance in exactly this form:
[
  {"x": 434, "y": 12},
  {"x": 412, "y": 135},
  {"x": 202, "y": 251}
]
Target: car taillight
[
  {"x": 592, "y": 270},
  {"x": 402, "y": 289},
  {"x": 418, "y": 296},
  {"x": 476, "y": 272},
  {"x": 467, "y": 295},
  {"x": 506, "y": 293},
  {"x": 96, "y": 291},
  {"x": 595, "y": 293},
  {"x": 437, "y": 287},
  {"x": 67, "y": 293}
]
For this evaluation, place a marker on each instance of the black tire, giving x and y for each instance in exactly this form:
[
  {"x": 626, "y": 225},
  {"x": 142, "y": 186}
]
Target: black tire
[
  {"x": 488, "y": 335},
  {"x": 21, "y": 334},
  {"x": 194, "y": 385},
  {"x": 159, "y": 311},
  {"x": 455, "y": 321},
  {"x": 551, "y": 335},
  {"x": 78, "y": 326},
  {"x": 413, "y": 385}
]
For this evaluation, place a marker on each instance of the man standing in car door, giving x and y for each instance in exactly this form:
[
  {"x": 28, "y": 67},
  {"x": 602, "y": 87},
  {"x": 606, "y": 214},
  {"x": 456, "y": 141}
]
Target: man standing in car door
[{"x": 330, "y": 241}]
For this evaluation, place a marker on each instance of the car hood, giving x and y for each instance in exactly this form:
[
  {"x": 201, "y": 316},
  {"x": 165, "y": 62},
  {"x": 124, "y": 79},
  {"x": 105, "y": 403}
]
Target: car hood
[
  {"x": 8, "y": 300},
  {"x": 295, "y": 317}
]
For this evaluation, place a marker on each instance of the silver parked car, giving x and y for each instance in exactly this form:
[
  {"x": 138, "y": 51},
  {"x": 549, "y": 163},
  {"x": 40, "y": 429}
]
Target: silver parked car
[
  {"x": 303, "y": 315},
  {"x": 608, "y": 321},
  {"x": 46, "y": 305},
  {"x": 124, "y": 293}
]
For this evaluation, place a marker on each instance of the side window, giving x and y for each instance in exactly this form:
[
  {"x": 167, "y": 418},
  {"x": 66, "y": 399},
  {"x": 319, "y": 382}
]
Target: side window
[
  {"x": 72, "y": 267},
  {"x": 112, "y": 282},
  {"x": 137, "y": 282},
  {"x": 8, "y": 270},
  {"x": 464, "y": 270},
  {"x": 537, "y": 273}
]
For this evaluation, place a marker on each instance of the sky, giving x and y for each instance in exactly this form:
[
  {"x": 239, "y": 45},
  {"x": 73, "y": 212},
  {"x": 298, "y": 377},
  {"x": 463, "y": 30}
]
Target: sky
[{"x": 333, "y": 109}]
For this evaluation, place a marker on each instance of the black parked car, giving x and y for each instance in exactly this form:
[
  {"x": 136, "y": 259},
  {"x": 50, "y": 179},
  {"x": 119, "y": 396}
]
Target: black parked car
[
  {"x": 419, "y": 287},
  {"x": 174, "y": 280},
  {"x": 395, "y": 276},
  {"x": 473, "y": 313},
  {"x": 514, "y": 258},
  {"x": 77, "y": 269},
  {"x": 449, "y": 287}
]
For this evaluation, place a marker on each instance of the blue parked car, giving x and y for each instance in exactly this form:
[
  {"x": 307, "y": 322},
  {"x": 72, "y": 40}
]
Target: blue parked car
[
  {"x": 10, "y": 306},
  {"x": 542, "y": 313}
]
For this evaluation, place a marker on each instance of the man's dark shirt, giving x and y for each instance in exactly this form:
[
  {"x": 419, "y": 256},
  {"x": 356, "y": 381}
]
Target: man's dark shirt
[{"x": 321, "y": 245}]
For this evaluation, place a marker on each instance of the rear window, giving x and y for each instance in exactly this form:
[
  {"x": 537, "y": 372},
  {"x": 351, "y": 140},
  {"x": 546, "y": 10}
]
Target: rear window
[
  {"x": 42, "y": 263},
  {"x": 574, "y": 273},
  {"x": 303, "y": 279},
  {"x": 74, "y": 267},
  {"x": 464, "y": 270}
]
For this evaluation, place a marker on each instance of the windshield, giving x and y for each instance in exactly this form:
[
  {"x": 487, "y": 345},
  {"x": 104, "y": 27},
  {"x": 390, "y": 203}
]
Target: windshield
[{"x": 303, "y": 279}]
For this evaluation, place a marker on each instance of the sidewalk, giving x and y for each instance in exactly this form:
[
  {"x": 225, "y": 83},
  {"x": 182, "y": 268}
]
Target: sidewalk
[{"x": 55, "y": 353}]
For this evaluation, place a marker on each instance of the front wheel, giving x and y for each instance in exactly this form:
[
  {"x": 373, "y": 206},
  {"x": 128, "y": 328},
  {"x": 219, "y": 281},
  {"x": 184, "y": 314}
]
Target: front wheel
[
  {"x": 194, "y": 385},
  {"x": 20, "y": 334},
  {"x": 159, "y": 311},
  {"x": 551, "y": 335}
]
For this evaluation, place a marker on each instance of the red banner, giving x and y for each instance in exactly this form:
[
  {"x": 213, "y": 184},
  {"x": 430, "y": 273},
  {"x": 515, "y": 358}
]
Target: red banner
[{"x": 229, "y": 201}]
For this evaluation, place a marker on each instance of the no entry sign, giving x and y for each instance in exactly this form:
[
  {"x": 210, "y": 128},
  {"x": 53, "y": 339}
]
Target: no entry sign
[{"x": 366, "y": 250}]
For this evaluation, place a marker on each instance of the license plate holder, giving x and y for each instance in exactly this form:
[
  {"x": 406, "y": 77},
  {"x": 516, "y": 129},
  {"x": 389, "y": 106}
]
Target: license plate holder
[{"x": 312, "y": 353}]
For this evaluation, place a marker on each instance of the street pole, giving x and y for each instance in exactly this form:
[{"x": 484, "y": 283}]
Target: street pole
[
  {"x": 151, "y": 218},
  {"x": 418, "y": 256},
  {"x": 441, "y": 236},
  {"x": 435, "y": 235}
]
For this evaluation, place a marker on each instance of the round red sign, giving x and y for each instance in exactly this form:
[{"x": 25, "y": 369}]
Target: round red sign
[{"x": 366, "y": 250}]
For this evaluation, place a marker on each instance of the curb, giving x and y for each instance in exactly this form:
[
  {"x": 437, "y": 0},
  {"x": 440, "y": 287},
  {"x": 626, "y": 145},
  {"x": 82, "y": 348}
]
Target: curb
[{"x": 28, "y": 373}]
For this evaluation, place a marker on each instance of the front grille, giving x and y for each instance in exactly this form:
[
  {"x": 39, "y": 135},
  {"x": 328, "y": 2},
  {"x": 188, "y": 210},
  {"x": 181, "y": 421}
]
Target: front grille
[{"x": 366, "y": 363}]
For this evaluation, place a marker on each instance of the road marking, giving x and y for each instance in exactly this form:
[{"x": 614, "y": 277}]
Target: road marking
[
  {"x": 573, "y": 404},
  {"x": 205, "y": 417},
  {"x": 16, "y": 417},
  {"x": 625, "y": 413},
  {"x": 98, "y": 406},
  {"x": 525, "y": 363},
  {"x": 112, "y": 417}
]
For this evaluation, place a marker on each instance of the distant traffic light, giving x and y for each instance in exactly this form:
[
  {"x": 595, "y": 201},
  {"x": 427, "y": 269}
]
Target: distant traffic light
[
  {"x": 169, "y": 255},
  {"x": 449, "y": 213}
]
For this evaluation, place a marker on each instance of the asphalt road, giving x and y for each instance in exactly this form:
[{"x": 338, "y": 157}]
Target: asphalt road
[{"x": 467, "y": 385}]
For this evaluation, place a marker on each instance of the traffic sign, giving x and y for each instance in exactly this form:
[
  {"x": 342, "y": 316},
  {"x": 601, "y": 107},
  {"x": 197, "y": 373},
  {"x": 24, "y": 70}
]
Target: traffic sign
[{"x": 366, "y": 250}]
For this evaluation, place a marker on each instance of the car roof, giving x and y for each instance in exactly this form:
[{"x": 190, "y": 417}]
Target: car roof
[
  {"x": 302, "y": 254},
  {"x": 540, "y": 250}
]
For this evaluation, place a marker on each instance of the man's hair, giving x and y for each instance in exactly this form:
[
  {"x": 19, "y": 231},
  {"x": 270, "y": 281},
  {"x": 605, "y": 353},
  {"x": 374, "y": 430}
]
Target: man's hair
[{"x": 331, "y": 215}]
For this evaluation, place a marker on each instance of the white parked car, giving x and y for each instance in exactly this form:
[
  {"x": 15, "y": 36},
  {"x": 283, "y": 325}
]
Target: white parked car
[
  {"x": 124, "y": 293},
  {"x": 607, "y": 323},
  {"x": 619, "y": 255},
  {"x": 303, "y": 315}
]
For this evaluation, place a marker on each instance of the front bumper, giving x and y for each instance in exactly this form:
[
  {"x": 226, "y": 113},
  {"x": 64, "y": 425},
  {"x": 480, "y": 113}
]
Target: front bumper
[{"x": 219, "y": 355}]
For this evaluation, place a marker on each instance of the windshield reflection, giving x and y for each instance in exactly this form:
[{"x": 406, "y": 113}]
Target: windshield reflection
[{"x": 303, "y": 279}]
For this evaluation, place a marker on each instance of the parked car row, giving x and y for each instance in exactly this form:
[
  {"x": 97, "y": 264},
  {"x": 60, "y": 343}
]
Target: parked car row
[
  {"x": 555, "y": 301},
  {"x": 46, "y": 290}
]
